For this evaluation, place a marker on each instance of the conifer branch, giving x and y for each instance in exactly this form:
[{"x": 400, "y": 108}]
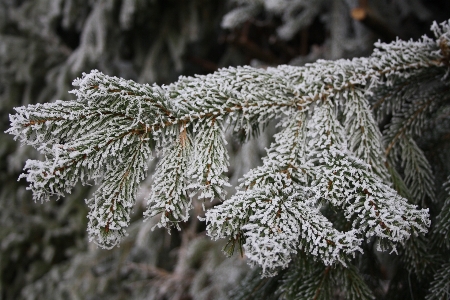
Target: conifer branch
[
  {"x": 442, "y": 229},
  {"x": 329, "y": 151},
  {"x": 440, "y": 287}
]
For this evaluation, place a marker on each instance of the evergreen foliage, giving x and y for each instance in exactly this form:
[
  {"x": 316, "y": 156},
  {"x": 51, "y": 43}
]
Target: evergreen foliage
[
  {"x": 331, "y": 181},
  {"x": 44, "y": 44}
]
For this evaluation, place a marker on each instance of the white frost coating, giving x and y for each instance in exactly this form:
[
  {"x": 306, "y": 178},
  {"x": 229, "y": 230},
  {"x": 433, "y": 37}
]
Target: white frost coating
[
  {"x": 328, "y": 151},
  {"x": 274, "y": 218},
  {"x": 168, "y": 196},
  {"x": 346, "y": 182},
  {"x": 209, "y": 162},
  {"x": 276, "y": 222},
  {"x": 365, "y": 137},
  {"x": 111, "y": 205}
]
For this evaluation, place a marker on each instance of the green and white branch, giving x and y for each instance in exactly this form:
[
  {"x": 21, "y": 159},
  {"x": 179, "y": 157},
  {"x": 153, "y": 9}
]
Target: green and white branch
[{"x": 330, "y": 151}]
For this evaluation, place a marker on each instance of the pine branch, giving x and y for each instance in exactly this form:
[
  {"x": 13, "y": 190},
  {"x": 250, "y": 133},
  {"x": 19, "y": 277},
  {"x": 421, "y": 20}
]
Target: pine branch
[
  {"x": 308, "y": 279},
  {"x": 442, "y": 230},
  {"x": 440, "y": 287},
  {"x": 416, "y": 256},
  {"x": 113, "y": 201},
  {"x": 208, "y": 168},
  {"x": 168, "y": 196},
  {"x": 365, "y": 139},
  {"x": 407, "y": 121},
  {"x": 253, "y": 287},
  {"x": 329, "y": 151},
  {"x": 344, "y": 181}
]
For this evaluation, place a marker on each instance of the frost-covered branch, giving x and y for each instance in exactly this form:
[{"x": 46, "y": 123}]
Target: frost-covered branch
[{"x": 329, "y": 151}]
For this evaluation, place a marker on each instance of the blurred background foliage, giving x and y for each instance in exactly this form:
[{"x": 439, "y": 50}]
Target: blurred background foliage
[{"x": 45, "y": 44}]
